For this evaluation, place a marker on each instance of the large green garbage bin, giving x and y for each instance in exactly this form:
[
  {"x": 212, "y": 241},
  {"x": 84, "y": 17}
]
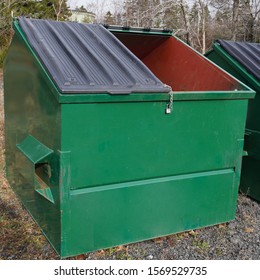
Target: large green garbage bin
[
  {"x": 101, "y": 151},
  {"x": 242, "y": 60}
]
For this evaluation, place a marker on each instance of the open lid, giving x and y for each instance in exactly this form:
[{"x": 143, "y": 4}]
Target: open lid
[
  {"x": 87, "y": 58},
  {"x": 248, "y": 54}
]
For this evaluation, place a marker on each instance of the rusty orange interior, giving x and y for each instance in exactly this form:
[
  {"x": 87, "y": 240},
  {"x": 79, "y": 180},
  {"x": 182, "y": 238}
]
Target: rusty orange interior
[{"x": 176, "y": 64}]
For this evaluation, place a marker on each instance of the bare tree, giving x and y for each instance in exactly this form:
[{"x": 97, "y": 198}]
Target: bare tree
[
  {"x": 243, "y": 20},
  {"x": 57, "y": 6},
  {"x": 118, "y": 8},
  {"x": 185, "y": 14},
  {"x": 235, "y": 14},
  {"x": 202, "y": 5},
  {"x": 99, "y": 8},
  {"x": 251, "y": 17}
]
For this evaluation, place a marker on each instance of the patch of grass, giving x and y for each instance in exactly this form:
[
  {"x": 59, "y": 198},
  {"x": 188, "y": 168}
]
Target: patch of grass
[
  {"x": 218, "y": 252},
  {"x": 200, "y": 244},
  {"x": 3, "y": 52}
]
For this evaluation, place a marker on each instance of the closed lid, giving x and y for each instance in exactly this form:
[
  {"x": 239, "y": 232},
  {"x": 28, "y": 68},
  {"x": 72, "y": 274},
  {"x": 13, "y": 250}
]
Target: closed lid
[
  {"x": 87, "y": 58},
  {"x": 248, "y": 54}
]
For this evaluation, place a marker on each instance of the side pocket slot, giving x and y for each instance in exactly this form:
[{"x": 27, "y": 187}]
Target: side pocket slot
[{"x": 39, "y": 155}]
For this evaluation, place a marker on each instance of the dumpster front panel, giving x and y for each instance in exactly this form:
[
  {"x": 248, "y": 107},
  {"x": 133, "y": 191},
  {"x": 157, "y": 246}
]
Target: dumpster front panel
[
  {"x": 121, "y": 142},
  {"x": 124, "y": 187},
  {"x": 32, "y": 139}
]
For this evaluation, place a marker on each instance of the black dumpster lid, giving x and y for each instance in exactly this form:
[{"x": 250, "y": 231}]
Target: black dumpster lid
[
  {"x": 87, "y": 58},
  {"x": 248, "y": 54}
]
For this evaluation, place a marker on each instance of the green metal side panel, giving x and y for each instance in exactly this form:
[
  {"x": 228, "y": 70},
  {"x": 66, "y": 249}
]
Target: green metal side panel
[
  {"x": 250, "y": 182},
  {"x": 32, "y": 137}
]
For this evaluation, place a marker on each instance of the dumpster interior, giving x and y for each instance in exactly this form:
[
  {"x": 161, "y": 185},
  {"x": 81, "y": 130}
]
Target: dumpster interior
[{"x": 175, "y": 64}]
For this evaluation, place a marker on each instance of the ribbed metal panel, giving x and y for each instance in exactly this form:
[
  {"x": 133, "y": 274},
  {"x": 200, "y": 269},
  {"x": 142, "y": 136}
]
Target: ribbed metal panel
[
  {"x": 248, "y": 54},
  {"x": 87, "y": 58}
]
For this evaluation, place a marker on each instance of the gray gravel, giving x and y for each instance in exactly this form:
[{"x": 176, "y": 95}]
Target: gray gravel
[{"x": 239, "y": 239}]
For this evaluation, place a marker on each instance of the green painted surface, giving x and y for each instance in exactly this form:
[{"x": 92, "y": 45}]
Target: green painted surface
[
  {"x": 250, "y": 177},
  {"x": 250, "y": 183},
  {"x": 46, "y": 193},
  {"x": 34, "y": 150},
  {"x": 31, "y": 110},
  {"x": 117, "y": 169},
  {"x": 131, "y": 212},
  {"x": 133, "y": 141}
]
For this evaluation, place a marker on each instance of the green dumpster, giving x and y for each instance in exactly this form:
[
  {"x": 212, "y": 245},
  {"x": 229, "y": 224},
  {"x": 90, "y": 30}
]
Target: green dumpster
[
  {"x": 119, "y": 135},
  {"x": 242, "y": 60}
]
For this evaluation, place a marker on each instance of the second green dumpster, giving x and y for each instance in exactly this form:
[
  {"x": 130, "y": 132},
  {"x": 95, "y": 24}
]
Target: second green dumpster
[{"x": 242, "y": 60}]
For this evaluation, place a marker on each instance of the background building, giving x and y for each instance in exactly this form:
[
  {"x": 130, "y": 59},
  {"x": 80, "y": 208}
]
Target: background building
[{"x": 82, "y": 16}]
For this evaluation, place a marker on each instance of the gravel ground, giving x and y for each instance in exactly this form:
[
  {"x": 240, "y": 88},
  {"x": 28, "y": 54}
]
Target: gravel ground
[{"x": 20, "y": 238}]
